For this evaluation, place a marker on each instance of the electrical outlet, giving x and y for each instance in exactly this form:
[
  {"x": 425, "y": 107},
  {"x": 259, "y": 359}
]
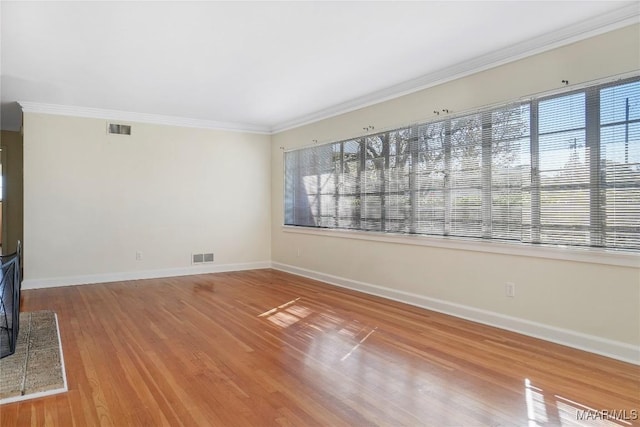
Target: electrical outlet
[
  {"x": 138, "y": 256},
  {"x": 510, "y": 289}
]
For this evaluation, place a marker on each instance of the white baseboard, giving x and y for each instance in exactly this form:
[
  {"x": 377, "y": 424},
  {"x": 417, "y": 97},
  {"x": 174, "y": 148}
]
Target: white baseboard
[
  {"x": 591, "y": 343},
  {"x": 137, "y": 275}
]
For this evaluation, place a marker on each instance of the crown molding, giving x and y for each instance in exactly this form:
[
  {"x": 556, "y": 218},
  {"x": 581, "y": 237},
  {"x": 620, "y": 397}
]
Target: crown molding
[
  {"x": 99, "y": 113},
  {"x": 619, "y": 18}
]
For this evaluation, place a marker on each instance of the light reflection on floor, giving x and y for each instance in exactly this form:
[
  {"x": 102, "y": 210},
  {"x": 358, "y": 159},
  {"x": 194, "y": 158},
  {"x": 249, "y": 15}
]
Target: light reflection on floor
[
  {"x": 555, "y": 410},
  {"x": 358, "y": 345},
  {"x": 338, "y": 350}
]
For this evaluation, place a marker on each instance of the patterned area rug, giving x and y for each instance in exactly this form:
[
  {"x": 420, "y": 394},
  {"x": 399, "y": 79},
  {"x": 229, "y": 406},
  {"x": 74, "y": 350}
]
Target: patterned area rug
[{"x": 36, "y": 369}]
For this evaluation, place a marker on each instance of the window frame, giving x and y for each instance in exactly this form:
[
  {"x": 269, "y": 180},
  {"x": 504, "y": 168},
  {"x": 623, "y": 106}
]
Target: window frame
[{"x": 592, "y": 129}]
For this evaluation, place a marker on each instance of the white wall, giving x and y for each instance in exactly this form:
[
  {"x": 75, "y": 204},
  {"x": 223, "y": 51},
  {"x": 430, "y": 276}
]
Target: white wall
[
  {"x": 93, "y": 200},
  {"x": 589, "y": 305}
]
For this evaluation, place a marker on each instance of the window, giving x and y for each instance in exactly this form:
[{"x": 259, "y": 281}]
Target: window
[
  {"x": 619, "y": 165},
  {"x": 564, "y": 171},
  {"x": 560, "y": 170}
]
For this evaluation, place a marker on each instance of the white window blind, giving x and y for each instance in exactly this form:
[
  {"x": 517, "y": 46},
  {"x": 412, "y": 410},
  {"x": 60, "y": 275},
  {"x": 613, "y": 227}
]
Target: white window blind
[
  {"x": 508, "y": 171},
  {"x": 560, "y": 170},
  {"x": 564, "y": 166},
  {"x": 619, "y": 166}
]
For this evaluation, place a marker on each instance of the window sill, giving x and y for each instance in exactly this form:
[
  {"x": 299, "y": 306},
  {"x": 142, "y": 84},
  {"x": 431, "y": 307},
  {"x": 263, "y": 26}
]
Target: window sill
[{"x": 588, "y": 255}]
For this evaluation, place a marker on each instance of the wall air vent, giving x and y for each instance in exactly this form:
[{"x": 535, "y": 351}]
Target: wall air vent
[
  {"x": 202, "y": 258},
  {"x": 117, "y": 129}
]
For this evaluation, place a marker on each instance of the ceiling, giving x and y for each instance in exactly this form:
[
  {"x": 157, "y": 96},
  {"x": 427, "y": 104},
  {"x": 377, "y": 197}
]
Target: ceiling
[{"x": 265, "y": 66}]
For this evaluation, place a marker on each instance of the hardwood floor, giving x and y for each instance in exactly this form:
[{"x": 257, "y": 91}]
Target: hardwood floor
[{"x": 262, "y": 348}]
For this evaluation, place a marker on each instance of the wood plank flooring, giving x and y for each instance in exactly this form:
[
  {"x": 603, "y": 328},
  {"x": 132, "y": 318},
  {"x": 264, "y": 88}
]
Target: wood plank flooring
[{"x": 266, "y": 348}]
